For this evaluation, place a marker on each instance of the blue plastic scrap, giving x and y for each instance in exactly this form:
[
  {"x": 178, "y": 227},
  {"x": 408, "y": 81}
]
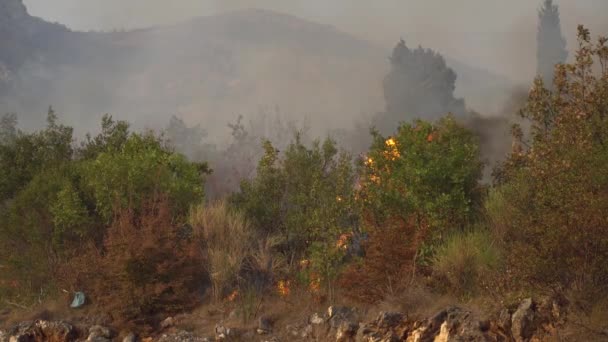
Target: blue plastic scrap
[{"x": 78, "y": 301}]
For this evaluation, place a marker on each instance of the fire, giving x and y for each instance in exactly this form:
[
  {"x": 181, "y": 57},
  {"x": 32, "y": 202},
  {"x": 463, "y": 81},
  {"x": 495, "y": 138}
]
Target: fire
[
  {"x": 392, "y": 152},
  {"x": 234, "y": 295},
  {"x": 342, "y": 242},
  {"x": 283, "y": 288},
  {"x": 315, "y": 284}
]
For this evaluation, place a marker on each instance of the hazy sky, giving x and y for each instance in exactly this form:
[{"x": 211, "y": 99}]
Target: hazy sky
[{"x": 495, "y": 34}]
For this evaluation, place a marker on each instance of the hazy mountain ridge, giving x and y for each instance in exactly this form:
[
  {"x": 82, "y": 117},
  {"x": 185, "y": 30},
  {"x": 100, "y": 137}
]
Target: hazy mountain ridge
[{"x": 207, "y": 70}]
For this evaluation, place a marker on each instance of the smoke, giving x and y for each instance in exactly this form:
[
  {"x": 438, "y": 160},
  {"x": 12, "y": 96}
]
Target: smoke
[
  {"x": 496, "y": 35},
  {"x": 210, "y": 70}
]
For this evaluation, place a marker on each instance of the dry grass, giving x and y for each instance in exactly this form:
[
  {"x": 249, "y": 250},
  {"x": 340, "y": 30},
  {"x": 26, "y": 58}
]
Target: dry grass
[
  {"x": 227, "y": 239},
  {"x": 465, "y": 259}
]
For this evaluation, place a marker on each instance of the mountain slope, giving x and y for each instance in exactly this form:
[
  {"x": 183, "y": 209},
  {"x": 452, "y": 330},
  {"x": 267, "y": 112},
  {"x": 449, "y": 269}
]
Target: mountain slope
[{"x": 207, "y": 70}]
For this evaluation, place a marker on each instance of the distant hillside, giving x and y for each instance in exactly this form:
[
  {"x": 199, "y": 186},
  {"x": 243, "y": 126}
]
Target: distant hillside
[{"x": 206, "y": 70}]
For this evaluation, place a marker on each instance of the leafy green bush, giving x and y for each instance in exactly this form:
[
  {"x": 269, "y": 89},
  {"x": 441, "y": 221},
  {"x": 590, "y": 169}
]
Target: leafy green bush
[
  {"x": 303, "y": 196},
  {"x": 55, "y": 199},
  {"x": 139, "y": 168},
  {"x": 464, "y": 259},
  {"x": 425, "y": 177}
]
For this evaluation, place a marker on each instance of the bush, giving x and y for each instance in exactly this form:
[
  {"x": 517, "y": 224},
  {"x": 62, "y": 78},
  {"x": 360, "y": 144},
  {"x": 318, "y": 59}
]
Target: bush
[
  {"x": 303, "y": 198},
  {"x": 387, "y": 267},
  {"x": 465, "y": 259},
  {"x": 552, "y": 194},
  {"x": 227, "y": 239},
  {"x": 54, "y": 200},
  {"x": 127, "y": 176},
  {"x": 145, "y": 266}
]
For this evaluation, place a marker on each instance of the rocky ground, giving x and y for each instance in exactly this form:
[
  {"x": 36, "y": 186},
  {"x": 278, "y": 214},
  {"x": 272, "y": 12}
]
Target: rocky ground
[{"x": 532, "y": 320}]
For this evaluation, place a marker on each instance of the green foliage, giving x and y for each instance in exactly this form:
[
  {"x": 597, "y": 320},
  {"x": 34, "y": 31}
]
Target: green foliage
[
  {"x": 70, "y": 216},
  {"x": 465, "y": 259},
  {"x": 426, "y": 172},
  {"x": 54, "y": 201},
  {"x": 303, "y": 196},
  {"x": 113, "y": 136},
  {"x": 25, "y": 155},
  {"x": 141, "y": 167},
  {"x": 554, "y": 184}
]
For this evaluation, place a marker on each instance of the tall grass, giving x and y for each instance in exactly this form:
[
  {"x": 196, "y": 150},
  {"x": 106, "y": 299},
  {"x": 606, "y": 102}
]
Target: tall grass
[
  {"x": 464, "y": 259},
  {"x": 227, "y": 239}
]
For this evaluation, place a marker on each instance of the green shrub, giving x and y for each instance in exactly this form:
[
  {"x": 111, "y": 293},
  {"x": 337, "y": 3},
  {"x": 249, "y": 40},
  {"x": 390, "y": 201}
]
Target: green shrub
[
  {"x": 464, "y": 259},
  {"x": 54, "y": 201},
  {"x": 304, "y": 198},
  {"x": 141, "y": 167}
]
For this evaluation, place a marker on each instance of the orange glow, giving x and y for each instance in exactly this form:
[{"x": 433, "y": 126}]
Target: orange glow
[
  {"x": 342, "y": 242},
  {"x": 393, "y": 151},
  {"x": 234, "y": 295},
  {"x": 391, "y": 142},
  {"x": 283, "y": 288},
  {"x": 315, "y": 284}
]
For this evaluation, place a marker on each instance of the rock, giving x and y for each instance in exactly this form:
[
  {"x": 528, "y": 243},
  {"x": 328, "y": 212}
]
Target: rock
[
  {"x": 338, "y": 311},
  {"x": 98, "y": 339},
  {"x": 451, "y": 324},
  {"x": 307, "y": 331},
  {"x": 523, "y": 320},
  {"x": 39, "y": 331},
  {"x": 389, "y": 320},
  {"x": 347, "y": 331},
  {"x": 273, "y": 339},
  {"x": 316, "y": 319},
  {"x": 338, "y": 315},
  {"x": 264, "y": 326},
  {"x": 223, "y": 333},
  {"x": 167, "y": 323},
  {"x": 387, "y": 327},
  {"x": 99, "y": 331},
  {"x": 130, "y": 337},
  {"x": 181, "y": 336}
]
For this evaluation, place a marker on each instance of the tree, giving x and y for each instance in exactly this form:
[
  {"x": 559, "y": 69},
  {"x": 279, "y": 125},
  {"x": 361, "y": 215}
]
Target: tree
[
  {"x": 551, "y": 44},
  {"x": 8, "y": 128},
  {"x": 419, "y": 85},
  {"x": 553, "y": 188}
]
